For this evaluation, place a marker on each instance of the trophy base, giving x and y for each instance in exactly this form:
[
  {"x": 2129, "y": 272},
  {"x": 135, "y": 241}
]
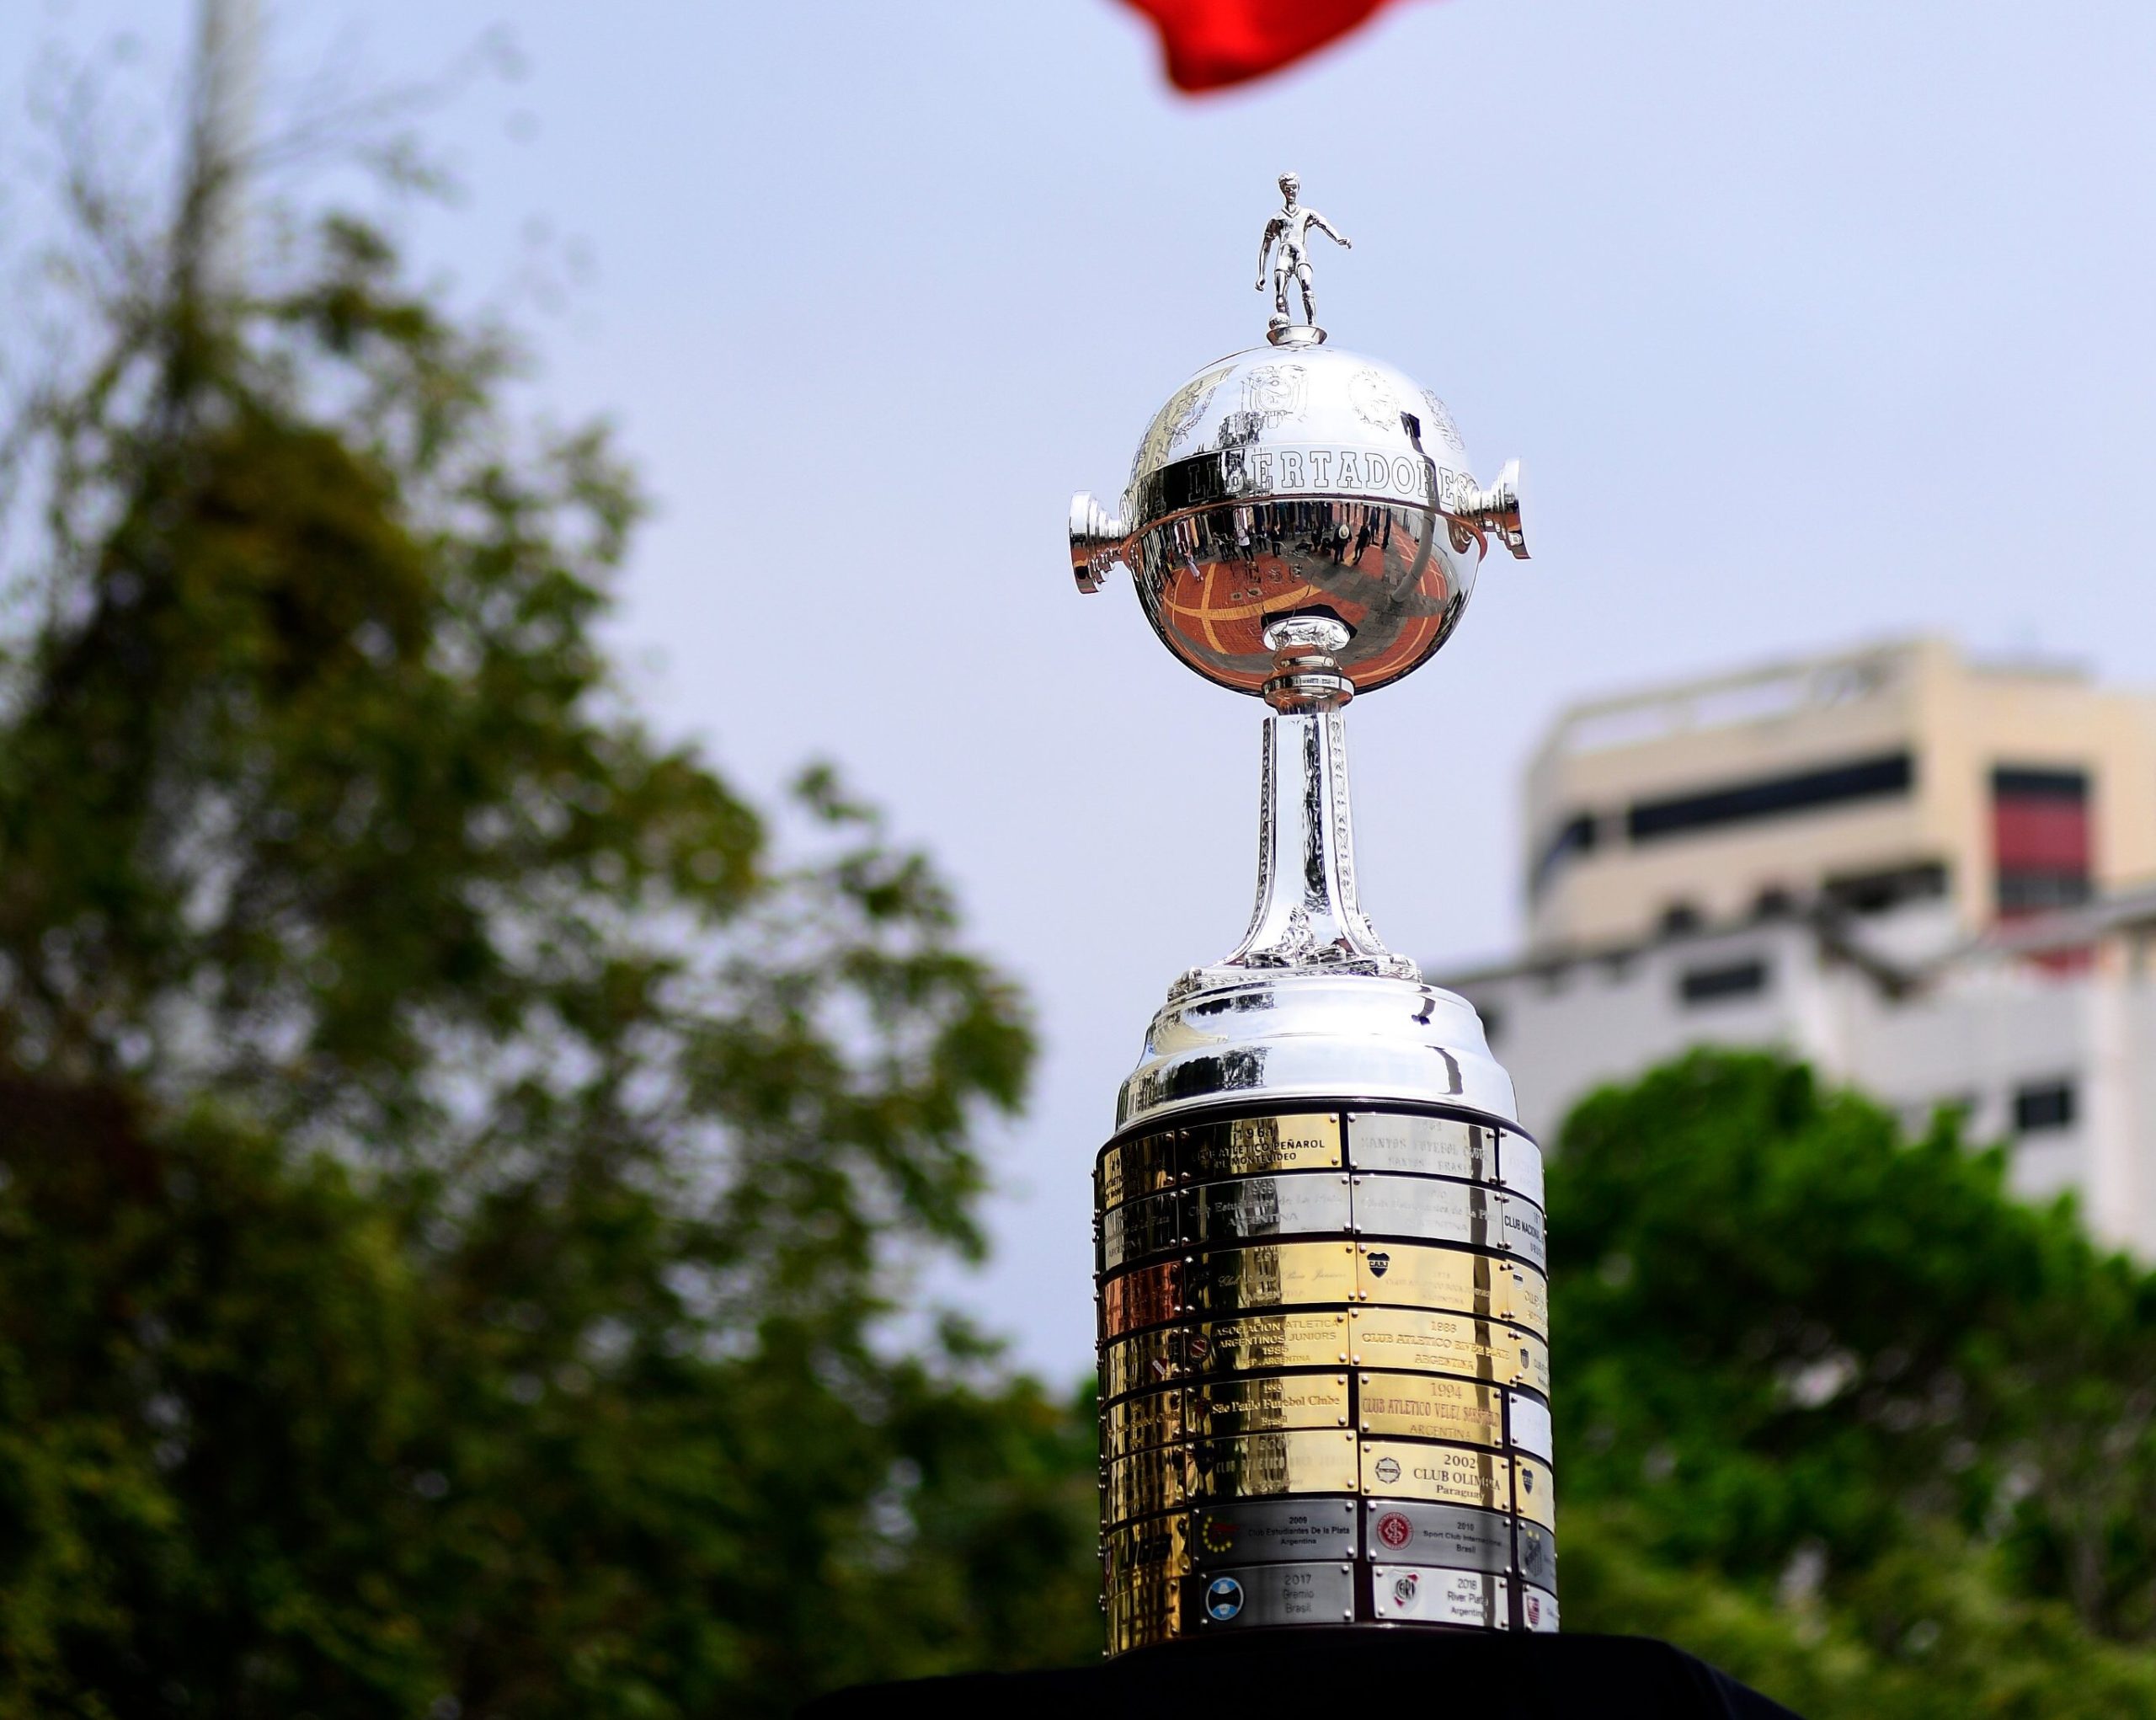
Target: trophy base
[{"x": 1365, "y": 1672}]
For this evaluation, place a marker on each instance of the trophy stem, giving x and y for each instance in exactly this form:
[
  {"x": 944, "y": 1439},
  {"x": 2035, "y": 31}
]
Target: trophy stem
[{"x": 1307, "y": 914}]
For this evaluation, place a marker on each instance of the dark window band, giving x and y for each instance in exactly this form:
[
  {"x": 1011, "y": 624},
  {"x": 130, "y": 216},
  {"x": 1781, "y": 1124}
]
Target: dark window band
[
  {"x": 2048, "y": 1105},
  {"x": 1742, "y": 979},
  {"x": 1772, "y": 796},
  {"x": 2020, "y": 782}
]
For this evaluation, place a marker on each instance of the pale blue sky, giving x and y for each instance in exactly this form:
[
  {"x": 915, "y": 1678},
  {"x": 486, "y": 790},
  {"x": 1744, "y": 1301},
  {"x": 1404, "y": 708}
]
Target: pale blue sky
[{"x": 1811, "y": 323}]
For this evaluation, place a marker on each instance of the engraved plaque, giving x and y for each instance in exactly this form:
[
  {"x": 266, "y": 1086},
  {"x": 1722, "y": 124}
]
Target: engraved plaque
[
  {"x": 1319, "y": 1594},
  {"x": 1529, "y": 1426},
  {"x": 1131, "y": 1232},
  {"x": 1534, "y": 1495},
  {"x": 1408, "y": 1531},
  {"x": 1253, "y": 1146},
  {"x": 1261, "y": 1464},
  {"x": 1423, "y": 1276},
  {"x": 1537, "y": 1555},
  {"x": 1148, "y": 1553},
  {"x": 1421, "y": 1596},
  {"x": 1141, "y": 1422},
  {"x": 1136, "y": 1167},
  {"x": 1414, "y": 1206},
  {"x": 1267, "y": 1530},
  {"x": 1423, "y": 1406},
  {"x": 1449, "y": 1473},
  {"x": 1258, "y": 1207},
  {"x": 1519, "y": 1162},
  {"x": 1526, "y": 1299},
  {"x": 1429, "y": 1146},
  {"x": 1282, "y": 1401},
  {"x": 1151, "y": 1481},
  {"x": 1151, "y": 1613},
  {"x": 1537, "y": 1609},
  {"x": 1271, "y": 1273},
  {"x": 1447, "y": 1343},
  {"x": 1145, "y": 1297},
  {"x": 1149, "y": 1359},
  {"x": 1523, "y": 1231},
  {"x": 1308, "y": 1340}
]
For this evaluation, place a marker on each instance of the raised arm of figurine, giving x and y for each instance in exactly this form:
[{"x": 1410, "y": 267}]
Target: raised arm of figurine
[{"x": 1326, "y": 227}]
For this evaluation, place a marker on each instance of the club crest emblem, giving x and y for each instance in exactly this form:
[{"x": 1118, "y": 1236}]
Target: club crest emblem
[
  {"x": 1379, "y": 1262},
  {"x": 1372, "y": 400},
  {"x": 1272, "y": 392},
  {"x": 1441, "y": 421},
  {"x": 1224, "y": 1599},
  {"x": 1394, "y": 1530}
]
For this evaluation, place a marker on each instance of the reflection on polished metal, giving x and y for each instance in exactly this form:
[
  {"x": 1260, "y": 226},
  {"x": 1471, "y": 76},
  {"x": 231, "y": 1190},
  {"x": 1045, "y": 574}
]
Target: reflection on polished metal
[{"x": 1320, "y": 1238}]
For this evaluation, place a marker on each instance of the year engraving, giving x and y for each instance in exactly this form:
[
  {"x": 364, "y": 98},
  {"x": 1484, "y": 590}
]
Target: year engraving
[
  {"x": 1460, "y": 1477},
  {"x": 1448, "y": 1343},
  {"x": 1423, "y": 1408},
  {"x": 1253, "y": 1146},
  {"x": 1430, "y": 1146},
  {"x": 1305, "y": 1340}
]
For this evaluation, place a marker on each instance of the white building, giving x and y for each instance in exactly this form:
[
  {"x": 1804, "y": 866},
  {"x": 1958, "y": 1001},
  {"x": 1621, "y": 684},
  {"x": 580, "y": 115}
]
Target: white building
[{"x": 1933, "y": 879}]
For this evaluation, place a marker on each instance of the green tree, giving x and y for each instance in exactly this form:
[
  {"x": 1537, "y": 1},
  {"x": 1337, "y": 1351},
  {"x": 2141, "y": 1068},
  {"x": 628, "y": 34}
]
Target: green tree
[
  {"x": 454, "y": 1165},
  {"x": 1838, "y": 1411}
]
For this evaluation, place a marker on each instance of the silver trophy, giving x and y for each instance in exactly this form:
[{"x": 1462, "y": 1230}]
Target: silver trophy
[{"x": 1323, "y": 1299}]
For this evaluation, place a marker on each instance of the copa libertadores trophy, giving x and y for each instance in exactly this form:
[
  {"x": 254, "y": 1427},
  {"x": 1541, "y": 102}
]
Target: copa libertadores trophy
[{"x": 1323, "y": 1301}]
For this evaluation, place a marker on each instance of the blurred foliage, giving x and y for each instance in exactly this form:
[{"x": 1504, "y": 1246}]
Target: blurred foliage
[
  {"x": 1837, "y": 1413},
  {"x": 455, "y": 1170}
]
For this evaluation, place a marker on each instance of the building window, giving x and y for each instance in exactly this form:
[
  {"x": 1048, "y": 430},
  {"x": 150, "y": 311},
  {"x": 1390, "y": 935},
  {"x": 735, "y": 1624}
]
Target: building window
[
  {"x": 2043, "y": 1107},
  {"x": 1876, "y": 892},
  {"x": 2041, "y": 839},
  {"x": 1744, "y": 979},
  {"x": 1772, "y": 797}
]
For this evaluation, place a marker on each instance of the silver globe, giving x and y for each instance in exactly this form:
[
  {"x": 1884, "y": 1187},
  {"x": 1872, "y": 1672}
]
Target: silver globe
[{"x": 1295, "y": 480}]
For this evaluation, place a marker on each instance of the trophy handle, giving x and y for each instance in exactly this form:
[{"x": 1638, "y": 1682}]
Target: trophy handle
[
  {"x": 1498, "y": 509},
  {"x": 1096, "y": 540}
]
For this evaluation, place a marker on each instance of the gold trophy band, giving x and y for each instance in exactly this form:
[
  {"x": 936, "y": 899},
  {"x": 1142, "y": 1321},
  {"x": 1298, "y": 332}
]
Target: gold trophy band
[{"x": 1349, "y": 1422}]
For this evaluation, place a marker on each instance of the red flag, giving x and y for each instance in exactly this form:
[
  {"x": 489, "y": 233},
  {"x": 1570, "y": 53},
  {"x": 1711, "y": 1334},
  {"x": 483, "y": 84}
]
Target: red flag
[{"x": 1212, "y": 43}]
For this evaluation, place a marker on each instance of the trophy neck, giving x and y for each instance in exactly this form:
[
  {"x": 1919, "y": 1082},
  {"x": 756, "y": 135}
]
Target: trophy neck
[{"x": 1306, "y": 916}]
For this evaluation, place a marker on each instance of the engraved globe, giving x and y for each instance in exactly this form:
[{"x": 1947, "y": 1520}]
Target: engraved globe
[{"x": 1297, "y": 480}]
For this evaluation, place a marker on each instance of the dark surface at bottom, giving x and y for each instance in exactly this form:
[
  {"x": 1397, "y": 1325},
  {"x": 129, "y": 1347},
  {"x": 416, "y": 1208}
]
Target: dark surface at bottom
[{"x": 1305, "y": 1674}]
